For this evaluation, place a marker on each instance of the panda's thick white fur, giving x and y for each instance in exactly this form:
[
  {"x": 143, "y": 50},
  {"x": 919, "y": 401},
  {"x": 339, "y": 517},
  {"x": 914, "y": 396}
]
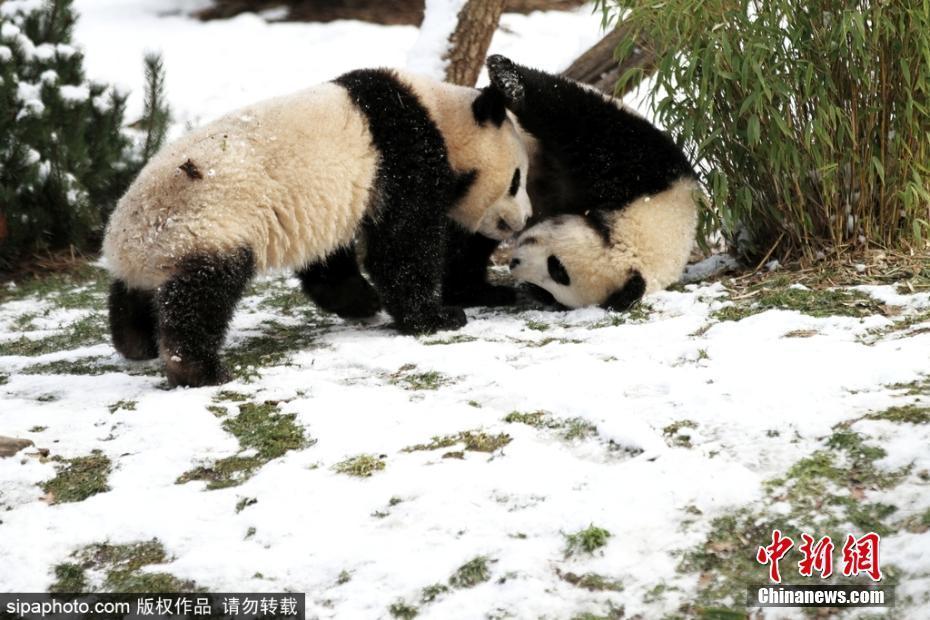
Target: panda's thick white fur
[
  {"x": 291, "y": 178},
  {"x": 652, "y": 236}
]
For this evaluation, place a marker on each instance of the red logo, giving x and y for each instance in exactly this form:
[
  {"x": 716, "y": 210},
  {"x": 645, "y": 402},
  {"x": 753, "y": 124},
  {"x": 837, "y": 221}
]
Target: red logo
[
  {"x": 860, "y": 555},
  {"x": 773, "y": 553},
  {"x": 817, "y": 557}
]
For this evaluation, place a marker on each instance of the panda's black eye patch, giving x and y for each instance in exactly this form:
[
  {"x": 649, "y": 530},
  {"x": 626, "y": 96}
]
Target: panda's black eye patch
[
  {"x": 529, "y": 241},
  {"x": 557, "y": 271},
  {"x": 515, "y": 182}
]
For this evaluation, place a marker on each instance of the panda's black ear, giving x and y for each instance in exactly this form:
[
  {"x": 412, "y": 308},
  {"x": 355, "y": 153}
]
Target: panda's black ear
[
  {"x": 505, "y": 76},
  {"x": 489, "y": 106},
  {"x": 631, "y": 292}
]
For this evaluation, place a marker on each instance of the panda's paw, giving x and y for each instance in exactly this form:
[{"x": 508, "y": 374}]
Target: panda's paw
[
  {"x": 451, "y": 317},
  {"x": 442, "y": 319},
  {"x": 195, "y": 374},
  {"x": 505, "y": 77}
]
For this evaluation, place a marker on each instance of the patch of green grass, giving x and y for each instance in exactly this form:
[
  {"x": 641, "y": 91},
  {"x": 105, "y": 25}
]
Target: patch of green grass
[
  {"x": 432, "y": 592},
  {"x": 592, "y": 582},
  {"x": 538, "y": 326},
  {"x": 471, "y": 573},
  {"x": 69, "y": 577},
  {"x": 59, "y": 287},
  {"x": 906, "y": 414},
  {"x": 223, "y": 473},
  {"x": 726, "y": 558},
  {"x": 534, "y": 344},
  {"x": 272, "y": 347},
  {"x": 122, "y": 566},
  {"x": 827, "y": 481},
  {"x": 402, "y": 610},
  {"x": 79, "y": 479},
  {"x": 571, "y": 428},
  {"x": 91, "y": 329},
  {"x": 344, "y": 577},
  {"x": 408, "y": 380},
  {"x": 259, "y": 426},
  {"x": 920, "y": 387},
  {"x": 588, "y": 540},
  {"x": 139, "y": 583},
  {"x": 24, "y": 322},
  {"x": 284, "y": 299},
  {"x": 125, "y": 405},
  {"x": 638, "y": 313},
  {"x": 38, "y": 429},
  {"x": 4, "y": 378},
  {"x": 613, "y": 613},
  {"x": 778, "y": 294},
  {"x": 919, "y": 523},
  {"x": 674, "y": 435},
  {"x": 92, "y": 366},
  {"x": 578, "y": 428},
  {"x": 265, "y": 428},
  {"x": 475, "y": 441},
  {"x": 536, "y": 419},
  {"x": 227, "y": 395},
  {"x": 361, "y": 466},
  {"x": 128, "y": 557}
]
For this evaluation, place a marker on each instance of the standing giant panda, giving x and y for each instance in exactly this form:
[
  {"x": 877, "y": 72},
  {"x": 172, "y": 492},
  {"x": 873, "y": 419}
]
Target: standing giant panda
[
  {"x": 614, "y": 199},
  {"x": 287, "y": 184}
]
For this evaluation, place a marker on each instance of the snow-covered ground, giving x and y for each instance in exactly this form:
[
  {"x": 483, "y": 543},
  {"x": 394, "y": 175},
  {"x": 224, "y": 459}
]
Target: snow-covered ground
[{"x": 684, "y": 429}]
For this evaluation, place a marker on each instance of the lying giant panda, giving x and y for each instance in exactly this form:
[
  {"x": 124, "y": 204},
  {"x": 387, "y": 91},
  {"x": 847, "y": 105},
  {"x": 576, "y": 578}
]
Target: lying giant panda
[
  {"x": 289, "y": 182},
  {"x": 614, "y": 200}
]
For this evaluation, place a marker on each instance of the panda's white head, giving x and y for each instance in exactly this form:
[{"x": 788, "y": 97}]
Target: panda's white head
[
  {"x": 568, "y": 258},
  {"x": 611, "y": 258},
  {"x": 484, "y": 146}
]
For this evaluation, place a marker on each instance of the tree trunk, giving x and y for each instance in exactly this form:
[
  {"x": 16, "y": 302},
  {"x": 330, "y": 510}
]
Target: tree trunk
[
  {"x": 469, "y": 43},
  {"x": 599, "y": 68}
]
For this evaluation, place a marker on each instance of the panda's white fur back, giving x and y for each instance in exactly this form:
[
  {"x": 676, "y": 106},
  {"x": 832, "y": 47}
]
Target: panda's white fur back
[
  {"x": 289, "y": 177},
  {"x": 656, "y": 233}
]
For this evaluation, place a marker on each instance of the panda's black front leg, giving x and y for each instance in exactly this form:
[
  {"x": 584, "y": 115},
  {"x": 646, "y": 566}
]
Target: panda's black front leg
[
  {"x": 465, "y": 278},
  {"x": 405, "y": 259},
  {"x": 336, "y": 285}
]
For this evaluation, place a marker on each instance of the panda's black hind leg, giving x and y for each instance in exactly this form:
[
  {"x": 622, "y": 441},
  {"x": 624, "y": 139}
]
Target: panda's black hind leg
[
  {"x": 194, "y": 309},
  {"x": 465, "y": 279},
  {"x": 405, "y": 259},
  {"x": 133, "y": 321},
  {"x": 337, "y": 285}
]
